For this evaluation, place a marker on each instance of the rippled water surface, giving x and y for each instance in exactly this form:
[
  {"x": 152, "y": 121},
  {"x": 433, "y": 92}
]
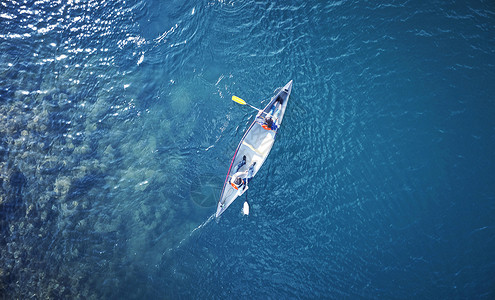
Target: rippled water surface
[{"x": 117, "y": 130}]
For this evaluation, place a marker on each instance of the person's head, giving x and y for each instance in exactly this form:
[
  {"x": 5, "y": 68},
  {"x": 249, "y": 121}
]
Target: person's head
[
  {"x": 269, "y": 121},
  {"x": 238, "y": 181}
]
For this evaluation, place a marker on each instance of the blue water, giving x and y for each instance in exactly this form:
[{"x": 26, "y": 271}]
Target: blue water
[{"x": 117, "y": 130}]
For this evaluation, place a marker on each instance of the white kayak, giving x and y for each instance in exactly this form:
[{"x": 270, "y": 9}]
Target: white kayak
[{"x": 255, "y": 145}]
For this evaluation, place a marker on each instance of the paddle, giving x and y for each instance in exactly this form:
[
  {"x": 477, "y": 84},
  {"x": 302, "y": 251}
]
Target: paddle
[
  {"x": 245, "y": 207},
  {"x": 242, "y": 102}
]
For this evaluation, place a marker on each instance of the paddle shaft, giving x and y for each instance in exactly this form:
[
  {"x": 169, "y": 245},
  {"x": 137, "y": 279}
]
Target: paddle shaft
[
  {"x": 267, "y": 114},
  {"x": 242, "y": 102}
]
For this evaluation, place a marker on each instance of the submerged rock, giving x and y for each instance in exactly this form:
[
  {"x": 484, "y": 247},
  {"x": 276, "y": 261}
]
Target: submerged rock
[{"x": 62, "y": 186}]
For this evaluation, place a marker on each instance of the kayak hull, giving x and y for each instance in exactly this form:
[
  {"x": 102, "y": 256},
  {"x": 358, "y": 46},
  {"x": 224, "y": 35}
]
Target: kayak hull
[{"x": 255, "y": 145}]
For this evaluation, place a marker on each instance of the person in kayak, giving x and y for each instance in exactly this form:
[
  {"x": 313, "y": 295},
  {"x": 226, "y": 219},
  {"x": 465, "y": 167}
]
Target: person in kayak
[
  {"x": 268, "y": 122},
  {"x": 241, "y": 179}
]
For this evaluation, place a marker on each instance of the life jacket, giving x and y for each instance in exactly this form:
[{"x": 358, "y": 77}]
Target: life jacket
[
  {"x": 265, "y": 126},
  {"x": 235, "y": 186}
]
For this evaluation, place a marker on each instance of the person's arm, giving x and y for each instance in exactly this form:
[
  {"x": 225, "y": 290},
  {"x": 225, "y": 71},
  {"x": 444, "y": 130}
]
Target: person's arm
[{"x": 250, "y": 173}]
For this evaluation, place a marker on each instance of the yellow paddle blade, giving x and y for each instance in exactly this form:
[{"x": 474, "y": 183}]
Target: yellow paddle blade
[{"x": 238, "y": 100}]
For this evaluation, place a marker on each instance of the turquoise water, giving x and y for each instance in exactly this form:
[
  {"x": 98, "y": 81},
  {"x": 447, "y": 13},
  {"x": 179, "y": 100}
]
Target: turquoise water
[{"x": 117, "y": 130}]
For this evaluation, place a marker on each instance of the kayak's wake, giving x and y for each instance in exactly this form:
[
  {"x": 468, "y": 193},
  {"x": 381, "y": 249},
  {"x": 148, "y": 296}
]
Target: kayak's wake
[
  {"x": 192, "y": 232},
  {"x": 202, "y": 225}
]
